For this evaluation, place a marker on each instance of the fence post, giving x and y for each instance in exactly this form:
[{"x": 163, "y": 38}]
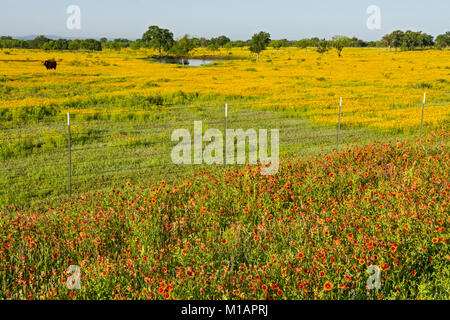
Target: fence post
[
  {"x": 225, "y": 140},
  {"x": 68, "y": 146},
  {"x": 423, "y": 109},
  {"x": 339, "y": 124}
]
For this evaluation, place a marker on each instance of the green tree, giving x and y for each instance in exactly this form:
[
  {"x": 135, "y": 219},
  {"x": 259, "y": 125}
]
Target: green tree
[
  {"x": 387, "y": 40},
  {"x": 182, "y": 47},
  {"x": 221, "y": 41},
  {"x": 38, "y": 42},
  {"x": 411, "y": 40},
  {"x": 214, "y": 46},
  {"x": 157, "y": 38},
  {"x": 61, "y": 44},
  {"x": 276, "y": 44},
  {"x": 443, "y": 40},
  {"x": 259, "y": 42},
  {"x": 91, "y": 44},
  {"x": 339, "y": 42},
  {"x": 303, "y": 43},
  {"x": 322, "y": 46},
  {"x": 75, "y": 45},
  {"x": 238, "y": 44},
  {"x": 397, "y": 38}
]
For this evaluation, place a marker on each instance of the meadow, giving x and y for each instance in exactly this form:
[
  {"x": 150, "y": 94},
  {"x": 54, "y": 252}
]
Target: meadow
[
  {"x": 141, "y": 227},
  {"x": 124, "y": 108}
]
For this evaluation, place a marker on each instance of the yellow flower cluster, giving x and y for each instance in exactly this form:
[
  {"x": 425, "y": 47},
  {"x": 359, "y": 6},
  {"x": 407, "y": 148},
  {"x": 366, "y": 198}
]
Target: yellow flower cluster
[{"x": 379, "y": 88}]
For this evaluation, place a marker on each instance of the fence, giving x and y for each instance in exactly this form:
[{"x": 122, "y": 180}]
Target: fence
[{"x": 92, "y": 152}]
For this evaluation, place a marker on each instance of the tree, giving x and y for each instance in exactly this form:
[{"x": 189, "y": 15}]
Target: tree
[
  {"x": 303, "y": 43},
  {"x": 221, "y": 41},
  {"x": 158, "y": 38},
  {"x": 339, "y": 42},
  {"x": 443, "y": 40},
  {"x": 182, "y": 47},
  {"x": 38, "y": 42},
  {"x": 91, "y": 44},
  {"x": 397, "y": 38},
  {"x": 427, "y": 40},
  {"x": 61, "y": 44},
  {"x": 276, "y": 44},
  {"x": 75, "y": 45},
  {"x": 411, "y": 40},
  {"x": 202, "y": 42},
  {"x": 387, "y": 40},
  {"x": 238, "y": 44},
  {"x": 213, "y": 47},
  {"x": 259, "y": 42},
  {"x": 322, "y": 46}
]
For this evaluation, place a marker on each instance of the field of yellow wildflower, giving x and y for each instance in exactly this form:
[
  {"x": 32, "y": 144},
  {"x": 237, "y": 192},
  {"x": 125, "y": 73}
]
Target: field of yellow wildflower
[{"x": 139, "y": 227}]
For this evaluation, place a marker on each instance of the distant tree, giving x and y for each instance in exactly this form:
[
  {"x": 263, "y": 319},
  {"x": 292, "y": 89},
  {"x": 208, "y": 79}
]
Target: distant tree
[
  {"x": 182, "y": 47},
  {"x": 157, "y": 38},
  {"x": 61, "y": 44},
  {"x": 202, "y": 42},
  {"x": 38, "y": 42},
  {"x": 214, "y": 46},
  {"x": 222, "y": 40},
  {"x": 387, "y": 40},
  {"x": 238, "y": 44},
  {"x": 303, "y": 43},
  {"x": 47, "y": 45},
  {"x": 75, "y": 45},
  {"x": 259, "y": 42},
  {"x": 196, "y": 42},
  {"x": 322, "y": 46},
  {"x": 91, "y": 44},
  {"x": 135, "y": 45},
  {"x": 426, "y": 40},
  {"x": 339, "y": 42},
  {"x": 103, "y": 40},
  {"x": 411, "y": 40},
  {"x": 314, "y": 42},
  {"x": 276, "y": 44},
  {"x": 397, "y": 38},
  {"x": 443, "y": 40}
]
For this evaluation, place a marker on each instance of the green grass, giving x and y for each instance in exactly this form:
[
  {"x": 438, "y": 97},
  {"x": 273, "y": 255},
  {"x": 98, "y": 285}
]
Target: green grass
[{"x": 110, "y": 148}]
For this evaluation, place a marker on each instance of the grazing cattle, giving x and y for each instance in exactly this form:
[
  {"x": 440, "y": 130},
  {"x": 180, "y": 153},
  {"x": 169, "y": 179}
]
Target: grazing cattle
[{"x": 49, "y": 64}]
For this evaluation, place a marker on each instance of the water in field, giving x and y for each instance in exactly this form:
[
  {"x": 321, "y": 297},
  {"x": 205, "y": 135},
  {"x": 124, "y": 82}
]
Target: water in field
[{"x": 188, "y": 62}]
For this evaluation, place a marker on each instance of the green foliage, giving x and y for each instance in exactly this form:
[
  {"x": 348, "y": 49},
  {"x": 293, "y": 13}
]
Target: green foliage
[
  {"x": 323, "y": 46},
  {"x": 443, "y": 40},
  {"x": 182, "y": 47},
  {"x": 157, "y": 38},
  {"x": 339, "y": 42},
  {"x": 259, "y": 42}
]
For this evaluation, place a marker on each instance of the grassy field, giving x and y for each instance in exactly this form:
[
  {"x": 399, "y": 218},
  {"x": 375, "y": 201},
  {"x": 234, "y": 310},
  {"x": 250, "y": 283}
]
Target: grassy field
[
  {"x": 124, "y": 109},
  {"x": 141, "y": 227}
]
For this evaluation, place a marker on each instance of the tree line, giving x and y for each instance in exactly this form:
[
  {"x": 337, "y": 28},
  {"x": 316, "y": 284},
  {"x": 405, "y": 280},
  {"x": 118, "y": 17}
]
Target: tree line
[{"x": 163, "y": 41}]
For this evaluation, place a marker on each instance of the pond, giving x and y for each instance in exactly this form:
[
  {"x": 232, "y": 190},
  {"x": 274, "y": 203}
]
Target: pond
[{"x": 188, "y": 62}]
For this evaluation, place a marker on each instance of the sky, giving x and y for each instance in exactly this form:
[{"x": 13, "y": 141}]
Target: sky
[{"x": 237, "y": 19}]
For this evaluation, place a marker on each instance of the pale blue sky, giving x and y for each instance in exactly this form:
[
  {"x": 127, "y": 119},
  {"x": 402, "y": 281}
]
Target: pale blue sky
[{"x": 238, "y": 19}]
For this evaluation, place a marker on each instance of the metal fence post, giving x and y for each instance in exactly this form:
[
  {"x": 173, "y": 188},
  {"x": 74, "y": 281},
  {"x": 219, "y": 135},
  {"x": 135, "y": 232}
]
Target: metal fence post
[
  {"x": 68, "y": 146},
  {"x": 339, "y": 124},
  {"x": 225, "y": 136},
  {"x": 423, "y": 109}
]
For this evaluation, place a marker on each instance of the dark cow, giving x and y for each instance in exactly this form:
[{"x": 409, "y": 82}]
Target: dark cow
[{"x": 49, "y": 64}]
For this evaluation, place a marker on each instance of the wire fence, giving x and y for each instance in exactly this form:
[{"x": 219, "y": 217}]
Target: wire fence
[{"x": 69, "y": 158}]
